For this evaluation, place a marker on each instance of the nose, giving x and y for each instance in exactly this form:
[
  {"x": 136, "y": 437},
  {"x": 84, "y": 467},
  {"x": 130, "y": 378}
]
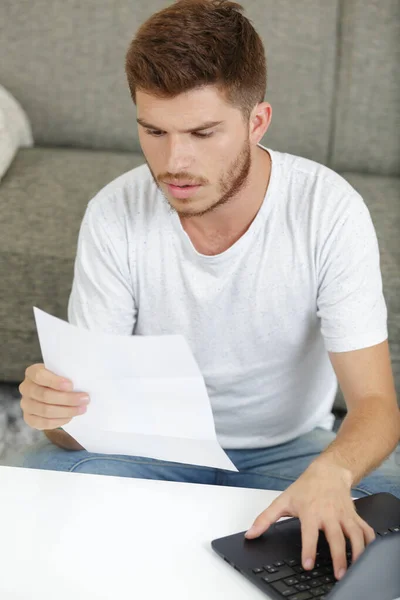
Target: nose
[{"x": 178, "y": 155}]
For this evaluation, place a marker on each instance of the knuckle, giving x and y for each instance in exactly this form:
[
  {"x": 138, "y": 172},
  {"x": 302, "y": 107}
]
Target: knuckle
[
  {"x": 46, "y": 411},
  {"x": 39, "y": 373},
  {"x": 352, "y": 525},
  {"x": 47, "y": 396},
  {"x": 371, "y": 531},
  {"x": 32, "y": 421}
]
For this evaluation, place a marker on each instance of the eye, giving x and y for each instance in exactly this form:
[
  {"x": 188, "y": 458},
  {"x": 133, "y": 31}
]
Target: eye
[{"x": 196, "y": 133}]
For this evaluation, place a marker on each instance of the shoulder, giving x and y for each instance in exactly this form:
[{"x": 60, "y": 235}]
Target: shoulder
[
  {"x": 315, "y": 176},
  {"x": 317, "y": 189},
  {"x": 132, "y": 196}
]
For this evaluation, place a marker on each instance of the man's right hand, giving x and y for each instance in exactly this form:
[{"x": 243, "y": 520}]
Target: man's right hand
[{"x": 46, "y": 404}]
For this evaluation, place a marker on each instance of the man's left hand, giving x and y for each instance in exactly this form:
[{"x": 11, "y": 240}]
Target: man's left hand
[{"x": 321, "y": 499}]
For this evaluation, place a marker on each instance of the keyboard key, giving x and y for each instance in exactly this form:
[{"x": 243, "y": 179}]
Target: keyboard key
[
  {"x": 279, "y": 563},
  {"x": 318, "y": 592},
  {"x": 304, "y": 577},
  {"x": 322, "y": 561},
  {"x": 283, "y": 589},
  {"x": 291, "y": 562},
  {"x": 314, "y": 574},
  {"x": 271, "y": 569},
  {"x": 383, "y": 532},
  {"x": 258, "y": 570},
  {"x": 281, "y": 574},
  {"x": 301, "y": 596},
  {"x": 291, "y": 581},
  {"x": 302, "y": 587},
  {"x": 328, "y": 570},
  {"x": 299, "y": 569},
  {"x": 394, "y": 529}
]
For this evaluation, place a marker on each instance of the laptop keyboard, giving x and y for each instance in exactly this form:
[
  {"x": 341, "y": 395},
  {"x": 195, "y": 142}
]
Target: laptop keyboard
[{"x": 288, "y": 578}]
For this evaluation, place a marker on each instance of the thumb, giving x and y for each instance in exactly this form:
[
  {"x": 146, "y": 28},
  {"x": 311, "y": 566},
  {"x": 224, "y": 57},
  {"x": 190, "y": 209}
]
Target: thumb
[{"x": 273, "y": 513}]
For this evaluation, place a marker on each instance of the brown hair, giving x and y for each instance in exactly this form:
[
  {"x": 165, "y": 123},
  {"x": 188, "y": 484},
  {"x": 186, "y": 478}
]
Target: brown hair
[{"x": 194, "y": 43}]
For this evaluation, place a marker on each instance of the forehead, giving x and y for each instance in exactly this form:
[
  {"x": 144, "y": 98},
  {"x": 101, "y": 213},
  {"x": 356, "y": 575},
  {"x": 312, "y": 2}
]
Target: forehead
[{"x": 193, "y": 106}]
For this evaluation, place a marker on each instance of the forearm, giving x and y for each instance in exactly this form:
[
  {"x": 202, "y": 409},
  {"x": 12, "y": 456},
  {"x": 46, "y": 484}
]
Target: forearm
[
  {"x": 62, "y": 439},
  {"x": 367, "y": 436}
]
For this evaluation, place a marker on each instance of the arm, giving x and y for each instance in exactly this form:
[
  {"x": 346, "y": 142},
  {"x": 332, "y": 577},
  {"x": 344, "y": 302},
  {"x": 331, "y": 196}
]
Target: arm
[
  {"x": 101, "y": 298},
  {"x": 352, "y": 309},
  {"x": 371, "y": 429}
]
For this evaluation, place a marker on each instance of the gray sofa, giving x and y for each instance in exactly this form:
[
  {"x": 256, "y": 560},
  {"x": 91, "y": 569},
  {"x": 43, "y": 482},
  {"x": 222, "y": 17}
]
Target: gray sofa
[{"x": 332, "y": 81}]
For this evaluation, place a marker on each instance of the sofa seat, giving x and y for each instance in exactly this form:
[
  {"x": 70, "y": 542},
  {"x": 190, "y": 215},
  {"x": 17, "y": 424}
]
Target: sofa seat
[{"x": 43, "y": 197}]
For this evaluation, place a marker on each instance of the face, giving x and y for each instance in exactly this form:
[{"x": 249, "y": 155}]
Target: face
[{"x": 217, "y": 158}]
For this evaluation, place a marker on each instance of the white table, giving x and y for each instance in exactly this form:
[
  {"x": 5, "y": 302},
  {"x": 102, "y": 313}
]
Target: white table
[{"x": 72, "y": 536}]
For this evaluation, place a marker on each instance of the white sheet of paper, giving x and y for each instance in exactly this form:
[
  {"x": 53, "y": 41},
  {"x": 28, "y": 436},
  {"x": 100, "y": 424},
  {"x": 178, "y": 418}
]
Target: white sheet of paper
[{"x": 147, "y": 395}]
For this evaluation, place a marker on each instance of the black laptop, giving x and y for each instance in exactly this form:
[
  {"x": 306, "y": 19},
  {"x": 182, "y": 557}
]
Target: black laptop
[{"x": 273, "y": 561}]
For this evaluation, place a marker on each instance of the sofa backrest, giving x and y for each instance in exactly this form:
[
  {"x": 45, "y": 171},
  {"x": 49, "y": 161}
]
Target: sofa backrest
[
  {"x": 64, "y": 62},
  {"x": 332, "y": 74},
  {"x": 367, "y": 117}
]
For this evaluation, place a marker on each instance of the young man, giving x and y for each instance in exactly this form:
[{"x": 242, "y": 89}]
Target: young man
[{"x": 268, "y": 264}]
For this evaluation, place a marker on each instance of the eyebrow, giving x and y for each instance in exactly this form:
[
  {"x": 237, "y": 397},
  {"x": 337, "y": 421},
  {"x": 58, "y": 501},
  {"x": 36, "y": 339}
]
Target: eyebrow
[{"x": 199, "y": 128}]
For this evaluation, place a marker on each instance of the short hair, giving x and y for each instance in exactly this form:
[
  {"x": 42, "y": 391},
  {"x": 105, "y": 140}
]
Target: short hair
[{"x": 194, "y": 43}]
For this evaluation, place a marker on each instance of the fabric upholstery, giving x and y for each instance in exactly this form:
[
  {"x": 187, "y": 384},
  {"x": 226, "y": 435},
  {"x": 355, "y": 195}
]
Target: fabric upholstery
[
  {"x": 367, "y": 120},
  {"x": 332, "y": 82},
  {"x": 43, "y": 197}
]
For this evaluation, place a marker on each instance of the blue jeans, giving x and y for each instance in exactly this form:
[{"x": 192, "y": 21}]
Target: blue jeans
[{"x": 273, "y": 468}]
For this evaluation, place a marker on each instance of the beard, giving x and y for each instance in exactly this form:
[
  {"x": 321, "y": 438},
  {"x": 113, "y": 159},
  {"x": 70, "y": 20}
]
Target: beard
[{"x": 230, "y": 183}]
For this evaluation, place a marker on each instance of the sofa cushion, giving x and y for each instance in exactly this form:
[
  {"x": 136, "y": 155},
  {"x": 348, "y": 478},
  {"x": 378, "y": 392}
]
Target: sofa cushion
[
  {"x": 43, "y": 197},
  {"x": 367, "y": 120},
  {"x": 64, "y": 61}
]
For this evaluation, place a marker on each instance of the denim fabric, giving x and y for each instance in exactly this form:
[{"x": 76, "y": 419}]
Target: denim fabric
[{"x": 273, "y": 468}]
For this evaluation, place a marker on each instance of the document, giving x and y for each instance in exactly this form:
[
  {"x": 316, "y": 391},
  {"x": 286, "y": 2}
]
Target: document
[{"x": 147, "y": 395}]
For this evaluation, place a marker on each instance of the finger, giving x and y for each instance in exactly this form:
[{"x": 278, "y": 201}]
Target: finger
[
  {"x": 337, "y": 546},
  {"x": 50, "y": 411},
  {"x": 355, "y": 533},
  {"x": 309, "y": 541},
  {"x": 42, "y": 376},
  {"x": 50, "y": 396},
  {"x": 44, "y": 424},
  {"x": 369, "y": 533},
  {"x": 275, "y": 511}
]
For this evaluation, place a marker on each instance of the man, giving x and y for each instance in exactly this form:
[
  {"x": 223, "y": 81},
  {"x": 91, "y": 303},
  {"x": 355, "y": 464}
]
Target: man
[{"x": 268, "y": 264}]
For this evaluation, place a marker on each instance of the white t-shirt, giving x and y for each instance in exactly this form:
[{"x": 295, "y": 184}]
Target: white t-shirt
[{"x": 260, "y": 318}]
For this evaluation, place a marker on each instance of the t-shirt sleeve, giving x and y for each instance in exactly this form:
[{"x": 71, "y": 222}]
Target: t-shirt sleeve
[
  {"x": 101, "y": 297},
  {"x": 350, "y": 300}
]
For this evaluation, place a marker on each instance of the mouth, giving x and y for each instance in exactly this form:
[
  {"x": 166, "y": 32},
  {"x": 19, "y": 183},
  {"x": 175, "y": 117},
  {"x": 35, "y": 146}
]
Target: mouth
[{"x": 183, "y": 191}]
